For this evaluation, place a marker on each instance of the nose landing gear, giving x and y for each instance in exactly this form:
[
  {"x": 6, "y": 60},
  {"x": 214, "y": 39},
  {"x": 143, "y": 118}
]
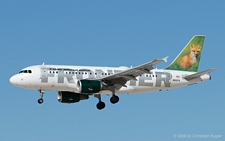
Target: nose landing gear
[{"x": 40, "y": 100}]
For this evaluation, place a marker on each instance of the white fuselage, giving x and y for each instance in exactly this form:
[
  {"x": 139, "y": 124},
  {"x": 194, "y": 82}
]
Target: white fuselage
[{"x": 64, "y": 78}]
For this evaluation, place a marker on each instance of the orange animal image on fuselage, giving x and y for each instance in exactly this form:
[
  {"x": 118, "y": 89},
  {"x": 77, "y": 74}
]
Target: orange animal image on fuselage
[{"x": 190, "y": 59}]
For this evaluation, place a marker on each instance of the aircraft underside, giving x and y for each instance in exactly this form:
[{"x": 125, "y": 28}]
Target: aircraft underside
[{"x": 68, "y": 96}]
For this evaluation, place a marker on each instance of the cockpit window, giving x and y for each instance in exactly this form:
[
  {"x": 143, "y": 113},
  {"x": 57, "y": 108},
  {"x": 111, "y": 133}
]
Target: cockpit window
[{"x": 25, "y": 71}]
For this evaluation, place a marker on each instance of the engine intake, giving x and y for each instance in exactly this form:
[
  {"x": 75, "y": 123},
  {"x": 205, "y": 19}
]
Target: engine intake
[
  {"x": 70, "y": 97},
  {"x": 89, "y": 86}
]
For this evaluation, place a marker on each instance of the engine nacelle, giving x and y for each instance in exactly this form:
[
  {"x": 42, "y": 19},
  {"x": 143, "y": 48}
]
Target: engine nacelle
[
  {"x": 70, "y": 97},
  {"x": 89, "y": 86}
]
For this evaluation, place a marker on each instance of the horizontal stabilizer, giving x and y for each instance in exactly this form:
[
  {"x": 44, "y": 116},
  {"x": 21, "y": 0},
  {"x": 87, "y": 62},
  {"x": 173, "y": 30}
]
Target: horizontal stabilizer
[{"x": 196, "y": 75}]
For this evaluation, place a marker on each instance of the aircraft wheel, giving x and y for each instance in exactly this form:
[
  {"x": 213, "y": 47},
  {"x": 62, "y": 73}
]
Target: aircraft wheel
[
  {"x": 100, "y": 105},
  {"x": 114, "y": 99},
  {"x": 40, "y": 101}
]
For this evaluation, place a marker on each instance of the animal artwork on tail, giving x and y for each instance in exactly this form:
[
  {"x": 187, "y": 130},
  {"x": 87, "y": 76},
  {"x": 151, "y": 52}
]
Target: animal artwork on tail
[{"x": 189, "y": 57}]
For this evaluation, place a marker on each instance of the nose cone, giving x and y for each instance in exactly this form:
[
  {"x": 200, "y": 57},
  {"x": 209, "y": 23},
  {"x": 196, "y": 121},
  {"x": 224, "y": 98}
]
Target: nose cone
[{"x": 13, "y": 80}]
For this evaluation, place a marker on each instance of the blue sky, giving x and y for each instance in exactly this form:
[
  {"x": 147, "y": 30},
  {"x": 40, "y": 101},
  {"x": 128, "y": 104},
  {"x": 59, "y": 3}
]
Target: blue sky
[{"x": 110, "y": 33}]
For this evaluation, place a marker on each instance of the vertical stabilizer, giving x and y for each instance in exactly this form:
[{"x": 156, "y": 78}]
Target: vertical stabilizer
[{"x": 189, "y": 58}]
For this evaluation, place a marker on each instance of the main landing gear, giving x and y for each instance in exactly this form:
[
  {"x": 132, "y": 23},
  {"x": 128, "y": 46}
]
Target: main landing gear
[
  {"x": 40, "y": 100},
  {"x": 114, "y": 99},
  {"x": 101, "y": 105}
]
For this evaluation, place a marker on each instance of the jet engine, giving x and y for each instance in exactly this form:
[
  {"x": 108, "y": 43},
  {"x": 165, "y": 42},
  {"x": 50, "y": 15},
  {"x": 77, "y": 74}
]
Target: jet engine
[
  {"x": 70, "y": 97},
  {"x": 89, "y": 86}
]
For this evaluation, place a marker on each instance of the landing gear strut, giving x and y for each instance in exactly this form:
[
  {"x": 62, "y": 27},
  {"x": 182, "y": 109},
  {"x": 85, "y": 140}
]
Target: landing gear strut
[
  {"x": 100, "y": 105},
  {"x": 114, "y": 99},
  {"x": 40, "y": 100}
]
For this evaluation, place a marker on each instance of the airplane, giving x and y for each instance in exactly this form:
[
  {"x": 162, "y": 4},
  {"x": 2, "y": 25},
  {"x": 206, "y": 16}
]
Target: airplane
[{"x": 75, "y": 83}]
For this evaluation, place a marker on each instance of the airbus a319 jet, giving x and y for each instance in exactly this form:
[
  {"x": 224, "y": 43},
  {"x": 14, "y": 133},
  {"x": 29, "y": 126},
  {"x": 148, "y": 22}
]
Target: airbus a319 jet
[{"x": 75, "y": 83}]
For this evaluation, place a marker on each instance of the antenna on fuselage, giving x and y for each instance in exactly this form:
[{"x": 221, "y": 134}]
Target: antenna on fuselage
[{"x": 43, "y": 63}]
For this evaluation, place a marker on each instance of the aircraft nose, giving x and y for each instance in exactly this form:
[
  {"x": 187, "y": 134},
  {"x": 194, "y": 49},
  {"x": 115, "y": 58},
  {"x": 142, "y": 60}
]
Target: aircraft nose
[{"x": 13, "y": 80}]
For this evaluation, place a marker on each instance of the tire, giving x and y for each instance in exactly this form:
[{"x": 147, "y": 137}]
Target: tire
[
  {"x": 114, "y": 99},
  {"x": 40, "y": 101},
  {"x": 100, "y": 105}
]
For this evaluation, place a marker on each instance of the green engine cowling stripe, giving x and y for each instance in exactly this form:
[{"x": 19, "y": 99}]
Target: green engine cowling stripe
[{"x": 90, "y": 86}]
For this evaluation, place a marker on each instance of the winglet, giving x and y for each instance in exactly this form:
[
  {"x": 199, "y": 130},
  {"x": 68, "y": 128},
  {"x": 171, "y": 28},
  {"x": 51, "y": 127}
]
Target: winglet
[{"x": 165, "y": 59}]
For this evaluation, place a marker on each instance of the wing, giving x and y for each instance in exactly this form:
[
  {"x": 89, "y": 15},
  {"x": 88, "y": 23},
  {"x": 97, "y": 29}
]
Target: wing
[{"x": 119, "y": 79}]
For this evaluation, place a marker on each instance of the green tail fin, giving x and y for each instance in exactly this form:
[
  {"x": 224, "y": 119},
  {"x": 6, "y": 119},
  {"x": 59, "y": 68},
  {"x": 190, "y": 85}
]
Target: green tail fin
[{"x": 189, "y": 57}]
